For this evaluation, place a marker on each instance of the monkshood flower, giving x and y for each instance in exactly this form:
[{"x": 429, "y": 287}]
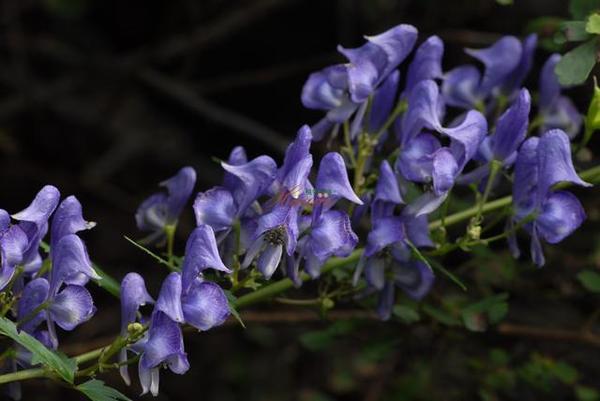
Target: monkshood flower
[
  {"x": 69, "y": 303},
  {"x": 244, "y": 183},
  {"x": 34, "y": 222},
  {"x": 387, "y": 260},
  {"x": 161, "y": 210},
  {"x": 501, "y": 146},
  {"x": 556, "y": 110},
  {"x": 68, "y": 219},
  {"x": 163, "y": 346},
  {"x": 201, "y": 253},
  {"x": 133, "y": 296},
  {"x": 542, "y": 163},
  {"x": 13, "y": 245},
  {"x": 506, "y": 63},
  {"x": 422, "y": 158},
  {"x": 343, "y": 89}
]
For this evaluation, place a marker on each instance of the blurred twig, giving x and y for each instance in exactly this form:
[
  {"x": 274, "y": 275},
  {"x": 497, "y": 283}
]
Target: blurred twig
[{"x": 580, "y": 336}]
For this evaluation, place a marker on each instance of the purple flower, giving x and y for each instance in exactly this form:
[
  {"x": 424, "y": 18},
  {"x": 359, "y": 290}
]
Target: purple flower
[
  {"x": 556, "y": 111},
  {"x": 13, "y": 245},
  {"x": 68, "y": 219},
  {"x": 34, "y": 222},
  {"x": 542, "y": 163},
  {"x": 504, "y": 66},
  {"x": 342, "y": 89},
  {"x": 133, "y": 296},
  {"x": 205, "y": 305},
  {"x": 201, "y": 253},
  {"x": 387, "y": 262},
  {"x": 163, "y": 346},
  {"x": 163, "y": 209},
  {"x": 427, "y": 63}
]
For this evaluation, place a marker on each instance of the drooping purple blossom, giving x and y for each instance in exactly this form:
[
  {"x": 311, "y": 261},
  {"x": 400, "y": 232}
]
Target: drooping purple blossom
[{"x": 163, "y": 209}]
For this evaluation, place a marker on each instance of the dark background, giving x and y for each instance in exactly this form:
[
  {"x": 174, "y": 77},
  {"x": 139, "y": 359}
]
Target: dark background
[{"x": 104, "y": 99}]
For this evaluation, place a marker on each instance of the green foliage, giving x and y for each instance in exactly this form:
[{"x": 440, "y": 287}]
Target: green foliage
[
  {"x": 490, "y": 310},
  {"x": 406, "y": 313},
  {"x": 320, "y": 339},
  {"x": 575, "y": 66},
  {"x": 585, "y": 393},
  {"x": 592, "y": 118},
  {"x": 231, "y": 299},
  {"x": 590, "y": 280},
  {"x": 580, "y": 9},
  {"x": 96, "y": 390},
  {"x": 593, "y": 24},
  {"x": 56, "y": 363}
]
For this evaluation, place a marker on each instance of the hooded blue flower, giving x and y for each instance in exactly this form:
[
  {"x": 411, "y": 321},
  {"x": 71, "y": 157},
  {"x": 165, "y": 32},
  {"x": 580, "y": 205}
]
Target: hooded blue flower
[
  {"x": 133, "y": 296},
  {"x": 13, "y": 245},
  {"x": 163, "y": 346},
  {"x": 341, "y": 89},
  {"x": 201, "y": 253},
  {"x": 387, "y": 262},
  {"x": 68, "y": 219},
  {"x": 163, "y": 209},
  {"x": 542, "y": 163},
  {"x": 34, "y": 222},
  {"x": 556, "y": 110},
  {"x": 504, "y": 65}
]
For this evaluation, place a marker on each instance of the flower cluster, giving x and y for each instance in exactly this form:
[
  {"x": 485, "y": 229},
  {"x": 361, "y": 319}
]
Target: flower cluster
[
  {"x": 43, "y": 292},
  {"x": 408, "y": 144}
]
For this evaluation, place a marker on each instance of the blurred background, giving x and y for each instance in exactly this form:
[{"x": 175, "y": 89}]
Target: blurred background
[{"x": 104, "y": 99}]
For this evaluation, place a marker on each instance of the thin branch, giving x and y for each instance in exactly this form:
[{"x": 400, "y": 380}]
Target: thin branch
[{"x": 550, "y": 334}]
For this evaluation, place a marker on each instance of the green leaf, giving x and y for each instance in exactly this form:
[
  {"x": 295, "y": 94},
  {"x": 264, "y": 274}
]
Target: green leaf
[
  {"x": 565, "y": 372},
  {"x": 592, "y": 118},
  {"x": 585, "y": 393},
  {"x": 490, "y": 310},
  {"x": 573, "y": 31},
  {"x": 593, "y": 24},
  {"x": 575, "y": 66},
  {"x": 407, "y": 314},
  {"x": 580, "y": 9},
  {"x": 441, "y": 315},
  {"x": 55, "y": 362},
  {"x": 590, "y": 280},
  {"x": 96, "y": 390},
  {"x": 232, "y": 308}
]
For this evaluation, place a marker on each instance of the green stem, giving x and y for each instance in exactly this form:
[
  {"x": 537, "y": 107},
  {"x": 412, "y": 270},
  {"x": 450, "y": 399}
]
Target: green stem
[
  {"x": 398, "y": 110},
  {"x": 170, "y": 234},
  {"x": 278, "y": 287},
  {"x": 495, "y": 166},
  {"x": 348, "y": 144}
]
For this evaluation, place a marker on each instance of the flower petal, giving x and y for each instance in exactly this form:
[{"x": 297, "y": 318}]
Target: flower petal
[
  {"x": 33, "y": 295},
  {"x": 68, "y": 219},
  {"x": 269, "y": 260},
  {"x": 427, "y": 63},
  {"x": 383, "y": 102},
  {"x": 201, "y": 253},
  {"x": 515, "y": 79},
  {"x": 70, "y": 260},
  {"x": 71, "y": 307},
  {"x": 460, "y": 86},
  {"x": 561, "y": 214},
  {"x": 414, "y": 278},
  {"x": 215, "y": 208},
  {"x": 387, "y": 185},
  {"x": 387, "y": 298},
  {"x": 133, "y": 295},
  {"x": 549, "y": 86},
  {"x": 169, "y": 298},
  {"x": 511, "y": 127},
  {"x": 332, "y": 235},
  {"x": 445, "y": 169},
  {"x": 415, "y": 161},
  {"x": 180, "y": 187},
  {"x": 386, "y": 231},
  {"x": 165, "y": 342},
  {"x": 253, "y": 179},
  {"x": 205, "y": 306},
  {"x": 375, "y": 272},
  {"x": 43, "y": 205},
  {"x": 333, "y": 177}
]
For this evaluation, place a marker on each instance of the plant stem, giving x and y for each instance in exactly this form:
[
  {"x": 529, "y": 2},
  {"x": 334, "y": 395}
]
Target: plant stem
[{"x": 276, "y": 288}]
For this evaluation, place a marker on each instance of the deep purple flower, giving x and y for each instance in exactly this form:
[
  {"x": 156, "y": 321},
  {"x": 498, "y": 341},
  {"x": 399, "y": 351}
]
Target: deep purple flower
[
  {"x": 13, "y": 245},
  {"x": 34, "y": 222},
  {"x": 465, "y": 87},
  {"x": 387, "y": 261},
  {"x": 163, "y": 346},
  {"x": 205, "y": 305},
  {"x": 68, "y": 219},
  {"x": 556, "y": 110},
  {"x": 133, "y": 296},
  {"x": 342, "y": 89},
  {"x": 201, "y": 253},
  {"x": 163, "y": 209},
  {"x": 427, "y": 63},
  {"x": 542, "y": 163}
]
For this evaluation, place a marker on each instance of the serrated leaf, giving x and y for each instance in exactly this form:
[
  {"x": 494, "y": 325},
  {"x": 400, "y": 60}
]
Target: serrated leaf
[
  {"x": 590, "y": 280},
  {"x": 53, "y": 361},
  {"x": 575, "y": 66},
  {"x": 405, "y": 313},
  {"x": 580, "y": 9},
  {"x": 593, "y": 24},
  {"x": 96, "y": 390}
]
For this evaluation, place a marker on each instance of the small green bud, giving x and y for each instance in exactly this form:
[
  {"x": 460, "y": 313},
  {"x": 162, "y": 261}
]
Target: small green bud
[
  {"x": 474, "y": 232},
  {"x": 135, "y": 329},
  {"x": 327, "y": 304},
  {"x": 592, "y": 118}
]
